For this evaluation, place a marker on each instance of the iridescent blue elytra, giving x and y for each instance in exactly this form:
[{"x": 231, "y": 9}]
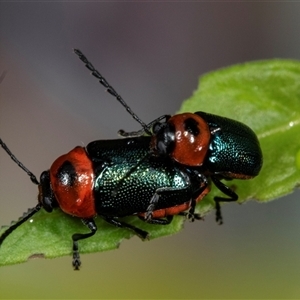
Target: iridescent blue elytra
[
  {"x": 218, "y": 147},
  {"x": 234, "y": 149}
]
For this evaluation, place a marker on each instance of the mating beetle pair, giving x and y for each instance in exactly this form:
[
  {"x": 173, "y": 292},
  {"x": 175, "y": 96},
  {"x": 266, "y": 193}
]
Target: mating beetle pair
[{"x": 155, "y": 173}]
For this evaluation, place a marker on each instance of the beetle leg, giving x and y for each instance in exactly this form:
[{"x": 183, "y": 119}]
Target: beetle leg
[
  {"x": 227, "y": 191},
  {"x": 157, "y": 221},
  {"x": 141, "y": 132},
  {"x": 190, "y": 214},
  {"x": 90, "y": 223},
  {"x": 202, "y": 191},
  {"x": 115, "y": 221},
  {"x": 153, "y": 202},
  {"x": 126, "y": 134},
  {"x": 190, "y": 217}
]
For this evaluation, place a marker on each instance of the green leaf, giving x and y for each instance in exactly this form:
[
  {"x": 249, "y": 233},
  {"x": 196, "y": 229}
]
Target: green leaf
[
  {"x": 264, "y": 95},
  {"x": 49, "y": 235}
]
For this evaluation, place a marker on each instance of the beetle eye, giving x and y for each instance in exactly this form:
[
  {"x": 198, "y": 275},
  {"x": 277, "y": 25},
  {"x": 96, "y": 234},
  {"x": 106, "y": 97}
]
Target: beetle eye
[
  {"x": 156, "y": 127},
  {"x": 46, "y": 196},
  {"x": 165, "y": 138}
]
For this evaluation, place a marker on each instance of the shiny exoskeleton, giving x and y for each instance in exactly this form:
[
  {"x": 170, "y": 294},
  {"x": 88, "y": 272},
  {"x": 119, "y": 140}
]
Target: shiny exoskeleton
[
  {"x": 114, "y": 179},
  {"x": 218, "y": 147},
  {"x": 117, "y": 178},
  {"x": 154, "y": 177}
]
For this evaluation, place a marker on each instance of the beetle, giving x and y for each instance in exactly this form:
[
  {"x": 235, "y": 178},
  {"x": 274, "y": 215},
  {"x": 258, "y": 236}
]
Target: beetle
[
  {"x": 216, "y": 146},
  {"x": 131, "y": 176},
  {"x": 113, "y": 179}
]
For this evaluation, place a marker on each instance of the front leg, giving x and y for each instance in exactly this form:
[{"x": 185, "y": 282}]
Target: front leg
[
  {"x": 142, "y": 132},
  {"x": 90, "y": 223}
]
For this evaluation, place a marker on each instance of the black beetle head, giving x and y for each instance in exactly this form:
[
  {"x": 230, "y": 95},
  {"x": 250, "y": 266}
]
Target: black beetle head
[
  {"x": 163, "y": 140},
  {"x": 46, "y": 197}
]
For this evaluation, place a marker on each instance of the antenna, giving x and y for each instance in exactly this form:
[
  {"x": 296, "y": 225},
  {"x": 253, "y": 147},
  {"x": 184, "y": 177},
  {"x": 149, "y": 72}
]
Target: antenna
[
  {"x": 23, "y": 219},
  {"x": 31, "y": 211},
  {"x": 30, "y": 174},
  {"x": 110, "y": 89}
]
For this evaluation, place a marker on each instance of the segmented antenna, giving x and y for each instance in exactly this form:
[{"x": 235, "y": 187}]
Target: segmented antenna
[
  {"x": 23, "y": 219},
  {"x": 110, "y": 89},
  {"x": 30, "y": 174},
  {"x": 31, "y": 211}
]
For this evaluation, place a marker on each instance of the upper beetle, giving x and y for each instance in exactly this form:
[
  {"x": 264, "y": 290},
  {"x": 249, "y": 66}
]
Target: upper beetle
[
  {"x": 220, "y": 147},
  {"x": 217, "y": 147}
]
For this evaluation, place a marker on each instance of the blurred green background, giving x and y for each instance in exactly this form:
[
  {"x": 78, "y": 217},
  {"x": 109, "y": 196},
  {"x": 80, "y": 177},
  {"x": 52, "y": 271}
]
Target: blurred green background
[{"x": 153, "y": 54}]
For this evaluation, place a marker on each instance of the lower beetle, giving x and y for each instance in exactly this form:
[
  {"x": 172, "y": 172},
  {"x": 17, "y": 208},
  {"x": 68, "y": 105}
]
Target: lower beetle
[{"x": 113, "y": 179}]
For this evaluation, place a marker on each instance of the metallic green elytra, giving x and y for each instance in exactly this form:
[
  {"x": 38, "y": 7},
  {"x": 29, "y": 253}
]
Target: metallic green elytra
[
  {"x": 218, "y": 147},
  {"x": 127, "y": 177}
]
